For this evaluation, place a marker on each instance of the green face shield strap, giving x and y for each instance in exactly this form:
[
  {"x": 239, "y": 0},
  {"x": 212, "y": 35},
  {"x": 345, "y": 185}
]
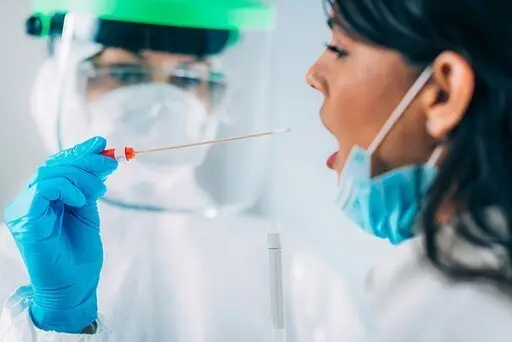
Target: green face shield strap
[
  {"x": 206, "y": 14},
  {"x": 138, "y": 37}
]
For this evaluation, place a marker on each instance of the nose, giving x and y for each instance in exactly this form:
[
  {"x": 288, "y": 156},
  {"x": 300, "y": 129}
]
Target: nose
[
  {"x": 314, "y": 79},
  {"x": 310, "y": 80}
]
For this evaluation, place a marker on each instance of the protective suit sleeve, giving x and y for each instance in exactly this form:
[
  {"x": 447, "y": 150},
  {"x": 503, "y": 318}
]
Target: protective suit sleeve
[{"x": 16, "y": 324}]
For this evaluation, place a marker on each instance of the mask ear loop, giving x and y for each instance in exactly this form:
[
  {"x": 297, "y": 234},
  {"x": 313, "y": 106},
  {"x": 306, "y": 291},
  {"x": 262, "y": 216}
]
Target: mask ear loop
[
  {"x": 400, "y": 109},
  {"x": 432, "y": 161}
]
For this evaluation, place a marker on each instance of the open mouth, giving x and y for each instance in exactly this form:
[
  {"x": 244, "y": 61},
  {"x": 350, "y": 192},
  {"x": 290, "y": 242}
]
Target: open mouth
[{"x": 331, "y": 160}]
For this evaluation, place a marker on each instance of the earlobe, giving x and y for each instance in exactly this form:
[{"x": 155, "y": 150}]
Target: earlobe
[
  {"x": 432, "y": 128},
  {"x": 440, "y": 128},
  {"x": 453, "y": 79}
]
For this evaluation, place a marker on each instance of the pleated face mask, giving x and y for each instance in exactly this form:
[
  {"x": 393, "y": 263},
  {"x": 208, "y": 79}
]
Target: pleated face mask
[{"x": 387, "y": 205}]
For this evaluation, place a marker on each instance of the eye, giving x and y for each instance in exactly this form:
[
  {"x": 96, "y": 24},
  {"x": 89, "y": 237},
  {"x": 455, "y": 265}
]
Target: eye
[
  {"x": 338, "y": 51},
  {"x": 121, "y": 74},
  {"x": 185, "y": 77},
  {"x": 127, "y": 78},
  {"x": 185, "y": 81}
]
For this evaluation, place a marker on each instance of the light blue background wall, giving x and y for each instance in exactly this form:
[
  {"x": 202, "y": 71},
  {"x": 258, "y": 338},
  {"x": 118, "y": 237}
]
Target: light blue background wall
[{"x": 303, "y": 189}]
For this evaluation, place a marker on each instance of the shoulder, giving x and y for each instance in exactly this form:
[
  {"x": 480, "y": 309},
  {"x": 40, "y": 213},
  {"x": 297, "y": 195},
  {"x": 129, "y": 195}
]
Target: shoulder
[{"x": 413, "y": 301}]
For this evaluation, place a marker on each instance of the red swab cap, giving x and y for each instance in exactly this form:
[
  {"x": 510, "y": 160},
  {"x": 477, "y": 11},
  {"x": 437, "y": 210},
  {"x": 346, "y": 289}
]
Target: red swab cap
[{"x": 127, "y": 154}]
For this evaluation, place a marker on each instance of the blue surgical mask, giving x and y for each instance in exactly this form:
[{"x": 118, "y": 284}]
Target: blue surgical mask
[{"x": 387, "y": 205}]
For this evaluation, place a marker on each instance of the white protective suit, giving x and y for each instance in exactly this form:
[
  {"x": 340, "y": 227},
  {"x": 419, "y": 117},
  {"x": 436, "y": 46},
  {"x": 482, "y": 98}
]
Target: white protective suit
[
  {"x": 177, "y": 278},
  {"x": 183, "y": 278}
]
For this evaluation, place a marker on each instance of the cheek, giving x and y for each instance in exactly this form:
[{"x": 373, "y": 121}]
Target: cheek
[
  {"x": 408, "y": 143},
  {"x": 355, "y": 112}
]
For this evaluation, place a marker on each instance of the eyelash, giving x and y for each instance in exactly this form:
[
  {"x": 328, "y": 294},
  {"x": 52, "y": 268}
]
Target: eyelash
[{"x": 339, "y": 52}]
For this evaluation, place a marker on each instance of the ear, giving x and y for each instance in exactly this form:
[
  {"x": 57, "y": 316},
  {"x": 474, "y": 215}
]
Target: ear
[{"x": 449, "y": 94}]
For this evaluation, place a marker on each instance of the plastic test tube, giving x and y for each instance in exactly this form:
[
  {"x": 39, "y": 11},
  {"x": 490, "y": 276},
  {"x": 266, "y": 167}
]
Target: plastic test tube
[{"x": 276, "y": 283}]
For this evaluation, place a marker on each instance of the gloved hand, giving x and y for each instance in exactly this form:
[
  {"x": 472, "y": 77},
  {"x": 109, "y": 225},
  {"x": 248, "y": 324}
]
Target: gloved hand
[{"x": 55, "y": 224}]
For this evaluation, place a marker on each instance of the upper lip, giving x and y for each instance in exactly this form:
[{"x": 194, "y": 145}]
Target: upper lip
[{"x": 322, "y": 119}]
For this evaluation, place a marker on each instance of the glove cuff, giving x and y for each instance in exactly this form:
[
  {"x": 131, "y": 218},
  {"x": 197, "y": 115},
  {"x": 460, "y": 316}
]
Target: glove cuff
[{"x": 71, "y": 321}]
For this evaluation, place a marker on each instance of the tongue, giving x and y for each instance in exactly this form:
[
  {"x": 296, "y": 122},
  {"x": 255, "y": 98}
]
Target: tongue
[{"x": 331, "y": 160}]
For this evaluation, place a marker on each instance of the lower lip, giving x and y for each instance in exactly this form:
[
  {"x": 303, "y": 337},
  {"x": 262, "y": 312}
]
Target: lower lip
[{"x": 331, "y": 160}]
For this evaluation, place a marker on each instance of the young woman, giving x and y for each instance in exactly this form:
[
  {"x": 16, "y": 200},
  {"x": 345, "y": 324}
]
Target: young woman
[{"x": 418, "y": 94}]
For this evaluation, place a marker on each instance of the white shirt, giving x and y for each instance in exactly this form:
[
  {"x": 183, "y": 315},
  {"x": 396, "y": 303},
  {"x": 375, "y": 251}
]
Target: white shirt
[{"x": 410, "y": 300}]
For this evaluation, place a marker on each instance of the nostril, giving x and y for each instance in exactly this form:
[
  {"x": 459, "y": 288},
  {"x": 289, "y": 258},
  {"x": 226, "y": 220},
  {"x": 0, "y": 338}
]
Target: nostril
[{"x": 310, "y": 80}]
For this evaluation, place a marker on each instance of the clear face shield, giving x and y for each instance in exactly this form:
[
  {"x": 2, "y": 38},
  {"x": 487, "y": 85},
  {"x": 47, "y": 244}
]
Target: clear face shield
[{"x": 151, "y": 86}]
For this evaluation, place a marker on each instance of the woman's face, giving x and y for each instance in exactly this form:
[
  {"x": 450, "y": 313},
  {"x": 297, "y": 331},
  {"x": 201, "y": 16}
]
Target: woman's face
[{"x": 362, "y": 85}]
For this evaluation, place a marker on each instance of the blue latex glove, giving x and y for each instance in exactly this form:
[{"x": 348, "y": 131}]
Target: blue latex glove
[{"x": 55, "y": 224}]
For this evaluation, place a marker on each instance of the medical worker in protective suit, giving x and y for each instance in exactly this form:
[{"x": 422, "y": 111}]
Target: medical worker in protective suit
[{"x": 157, "y": 249}]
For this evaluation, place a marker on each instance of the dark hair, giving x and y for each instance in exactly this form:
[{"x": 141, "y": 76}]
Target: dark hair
[{"x": 476, "y": 173}]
